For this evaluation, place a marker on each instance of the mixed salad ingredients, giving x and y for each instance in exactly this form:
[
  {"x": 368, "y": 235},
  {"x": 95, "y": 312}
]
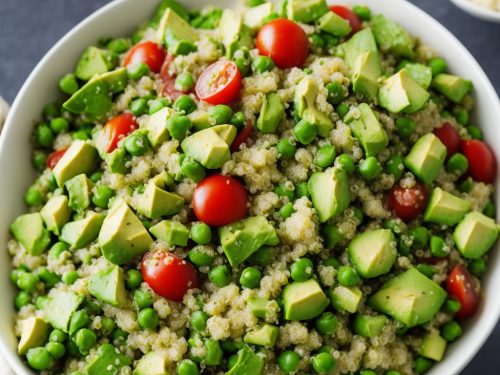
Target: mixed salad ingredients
[{"x": 292, "y": 189}]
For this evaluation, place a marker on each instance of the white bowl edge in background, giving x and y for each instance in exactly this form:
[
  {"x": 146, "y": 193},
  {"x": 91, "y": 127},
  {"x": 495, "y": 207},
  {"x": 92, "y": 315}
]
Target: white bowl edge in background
[
  {"x": 120, "y": 17},
  {"x": 477, "y": 10}
]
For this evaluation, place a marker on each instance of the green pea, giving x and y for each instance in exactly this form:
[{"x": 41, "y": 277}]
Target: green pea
[
  {"x": 403, "y": 248},
  {"x": 72, "y": 350},
  {"x": 457, "y": 163},
  {"x": 250, "y": 277},
  {"x": 346, "y": 162},
  {"x": 28, "y": 282},
  {"x": 201, "y": 233},
  {"x": 56, "y": 349},
  {"x": 302, "y": 190},
  {"x": 157, "y": 104},
  {"x": 231, "y": 361},
  {"x": 426, "y": 269},
  {"x": 193, "y": 170},
  {"x": 80, "y": 319},
  {"x": 405, "y": 127},
  {"x": 490, "y": 210},
  {"x": 16, "y": 273},
  {"x": 477, "y": 267},
  {"x": 283, "y": 191},
  {"x": 187, "y": 367},
  {"x": 317, "y": 41},
  {"x": 336, "y": 92},
  {"x": 254, "y": 3},
  {"x": 81, "y": 135},
  {"x": 137, "y": 144},
  {"x": 367, "y": 372},
  {"x": 214, "y": 353},
  {"x": 261, "y": 257},
  {"x": 462, "y": 116},
  {"x": 44, "y": 135},
  {"x": 118, "y": 45},
  {"x": 323, "y": 363},
  {"x": 437, "y": 246},
  {"x": 288, "y": 362},
  {"x": 33, "y": 197},
  {"x": 325, "y": 156},
  {"x": 39, "y": 160},
  {"x": 41, "y": 302},
  {"x": 102, "y": 196},
  {"x": 134, "y": 279},
  {"x": 363, "y": 12},
  {"x": 49, "y": 278},
  {"x": 420, "y": 236},
  {"x": 108, "y": 325},
  {"x": 394, "y": 166},
  {"x": 358, "y": 214},
  {"x": 452, "y": 305},
  {"x": 139, "y": 106},
  {"x": 57, "y": 336},
  {"x": 302, "y": 269},
  {"x": 369, "y": 168},
  {"x": 184, "y": 82},
  {"x": 85, "y": 339},
  {"x": 68, "y": 84},
  {"x": 220, "y": 276},
  {"x": 330, "y": 40},
  {"x": 286, "y": 211},
  {"x": 199, "y": 320},
  {"x": 57, "y": 249},
  {"x": 262, "y": 64},
  {"x": 185, "y": 103},
  {"x": 331, "y": 235},
  {"x": 143, "y": 298},
  {"x": 221, "y": 113},
  {"x": 466, "y": 185},
  {"x": 39, "y": 359},
  {"x": 438, "y": 65},
  {"x": 342, "y": 109},
  {"x": 148, "y": 318},
  {"x": 51, "y": 110},
  {"x": 200, "y": 256},
  {"x": 305, "y": 132},
  {"x": 475, "y": 132},
  {"x": 238, "y": 120},
  {"x": 422, "y": 365},
  {"x": 347, "y": 276},
  {"x": 286, "y": 149},
  {"x": 326, "y": 323},
  {"x": 137, "y": 71},
  {"x": 119, "y": 335},
  {"x": 178, "y": 126},
  {"x": 451, "y": 331},
  {"x": 22, "y": 299}
]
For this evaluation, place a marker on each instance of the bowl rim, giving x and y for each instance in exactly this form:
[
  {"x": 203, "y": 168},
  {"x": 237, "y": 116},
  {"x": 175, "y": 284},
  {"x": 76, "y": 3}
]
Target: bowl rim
[{"x": 477, "y": 10}]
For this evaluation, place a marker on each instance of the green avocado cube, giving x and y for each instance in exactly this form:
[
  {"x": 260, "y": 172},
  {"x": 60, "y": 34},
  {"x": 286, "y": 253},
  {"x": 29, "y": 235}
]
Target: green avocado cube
[
  {"x": 365, "y": 74},
  {"x": 208, "y": 148},
  {"x": 332, "y": 23},
  {"x": 400, "y": 93},
  {"x": 369, "y": 326},
  {"x": 226, "y": 132},
  {"x": 260, "y": 307},
  {"x": 117, "y": 161},
  {"x": 420, "y": 73},
  {"x": 79, "y": 190},
  {"x": 271, "y": 114},
  {"x": 81, "y": 233},
  {"x": 475, "y": 235},
  {"x": 453, "y": 87},
  {"x": 92, "y": 99},
  {"x": 303, "y": 300},
  {"x": 445, "y": 208},
  {"x": 391, "y": 37},
  {"x": 330, "y": 193},
  {"x": 177, "y": 7},
  {"x": 108, "y": 285},
  {"x": 175, "y": 32},
  {"x": 264, "y": 335},
  {"x": 411, "y": 298},
  {"x": 157, "y": 126},
  {"x": 361, "y": 42},
  {"x": 60, "y": 307},
  {"x": 28, "y": 229},
  {"x": 171, "y": 232},
  {"x": 306, "y": 11},
  {"x": 346, "y": 298},
  {"x": 373, "y": 253},
  {"x": 80, "y": 158},
  {"x": 56, "y": 213},
  {"x": 93, "y": 61},
  {"x": 233, "y": 33},
  {"x": 34, "y": 333},
  {"x": 247, "y": 363},
  {"x": 153, "y": 363},
  {"x": 116, "y": 80},
  {"x": 256, "y": 17},
  {"x": 108, "y": 360},
  {"x": 156, "y": 202},
  {"x": 426, "y": 158},
  {"x": 241, "y": 239},
  {"x": 433, "y": 347}
]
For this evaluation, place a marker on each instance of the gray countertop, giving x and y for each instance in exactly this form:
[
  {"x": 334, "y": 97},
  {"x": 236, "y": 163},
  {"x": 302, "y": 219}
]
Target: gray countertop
[{"x": 28, "y": 28}]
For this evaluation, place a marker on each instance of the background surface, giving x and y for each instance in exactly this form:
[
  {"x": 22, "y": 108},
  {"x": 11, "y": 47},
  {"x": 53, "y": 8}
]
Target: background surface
[{"x": 28, "y": 29}]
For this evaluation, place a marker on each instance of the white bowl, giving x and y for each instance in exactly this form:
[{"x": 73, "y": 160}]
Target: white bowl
[
  {"x": 478, "y": 10},
  {"x": 119, "y": 18}
]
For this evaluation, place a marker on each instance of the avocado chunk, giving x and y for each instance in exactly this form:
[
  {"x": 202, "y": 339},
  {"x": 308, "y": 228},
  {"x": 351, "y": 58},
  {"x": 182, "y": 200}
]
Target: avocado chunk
[
  {"x": 332, "y": 23},
  {"x": 123, "y": 237},
  {"x": 207, "y": 146},
  {"x": 303, "y": 300},
  {"x": 445, "y": 208},
  {"x": 156, "y": 202},
  {"x": 80, "y": 158},
  {"x": 92, "y": 99},
  {"x": 373, "y": 253},
  {"x": 475, "y": 235},
  {"x": 172, "y": 4},
  {"x": 79, "y": 190},
  {"x": 28, "y": 229},
  {"x": 400, "y": 93},
  {"x": 367, "y": 129},
  {"x": 116, "y": 79},
  {"x": 330, "y": 193},
  {"x": 426, "y": 158},
  {"x": 108, "y": 285},
  {"x": 453, "y": 87},
  {"x": 108, "y": 360},
  {"x": 391, "y": 37},
  {"x": 233, "y": 33},
  {"x": 264, "y": 335},
  {"x": 346, "y": 298},
  {"x": 271, "y": 114},
  {"x": 34, "y": 333},
  {"x": 433, "y": 347},
  {"x": 56, "y": 213},
  {"x": 171, "y": 232},
  {"x": 248, "y": 363},
  {"x": 365, "y": 74},
  {"x": 369, "y": 326},
  {"x": 256, "y": 17},
  {"x": 420, "y": 73},
  {"x": 60, "y": 307},
  {"x": 157, "y": 126},
  {"x": 153, "y": 363},
  {"x": 241, "y": 239},
  {"x": 176, "y": 33},
  {"x": 82, "y": 232},
  {"x": 305, "y": 106},
  {"x": 306, "y": 11},
  {"x": 361, "y": 42},
  {"x": 117, "y": 161},
  {"x": 260, "y": 307},
  {"x": 411, "y": 298},
  {"x": 226, "y": 132},
  {"x": 93, "y": 61}
]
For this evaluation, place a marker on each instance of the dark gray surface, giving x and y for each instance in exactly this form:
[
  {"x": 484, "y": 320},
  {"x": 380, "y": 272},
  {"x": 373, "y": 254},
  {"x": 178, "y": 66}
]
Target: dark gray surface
[{"x": 28, "y": 28}]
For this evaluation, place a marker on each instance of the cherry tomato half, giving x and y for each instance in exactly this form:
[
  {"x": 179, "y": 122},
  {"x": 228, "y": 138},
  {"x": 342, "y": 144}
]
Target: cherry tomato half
[
  {"x": 242, "y": 136},
  {"x": 54, "y": 158},
  {"x": 348, "y": 15},
  {"x": 285, "y": 42},
  {"x": 460, "y": 285},
  {"x": 168, "y": 78},
  {"x": 408, "y": 203},
  {"x": 449, "y": 137},
  {"x": 146, "y": 52},
  {"x": 220, "y": 200},
  {"x": 220, "y": 83},
  {"x": 114, "y": 130},
  {"x": 168, "y": 275},
  {"x": 482, "y": 161}
]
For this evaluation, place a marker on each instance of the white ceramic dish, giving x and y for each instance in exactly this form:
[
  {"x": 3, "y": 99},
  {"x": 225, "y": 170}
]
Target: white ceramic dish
[
  {"x": 478, "y": 10},
  {"x": 119, "y": 18}
]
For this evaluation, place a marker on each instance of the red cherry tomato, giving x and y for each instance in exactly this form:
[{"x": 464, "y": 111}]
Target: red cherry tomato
[
  {"x": 348, "y": 15},
  {"x": 168, "y": 78},
  {"x": 408, "y": 203},
  {"x": 220, "y": 83},
  {"x": 482, "y": 161},
  {"x": 285, "y": 42},
  {"x": 460, "y": 285},
  {"x": 146, "y": 52},
  {"x": 54, "y": 158},
  {"x": 449, "y": 137},
  {"x": 168, "y": 275},
  {"x": 220, "y": 200},
  {"x": 114, "y": 130},
  {"x": 242, "y": 136}
]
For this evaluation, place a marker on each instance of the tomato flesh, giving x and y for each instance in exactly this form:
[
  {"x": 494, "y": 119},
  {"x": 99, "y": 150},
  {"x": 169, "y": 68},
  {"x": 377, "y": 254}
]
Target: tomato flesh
[
  {"x": 460, "y": 285},
  {"x": 220, "y": 83},
  {"x": 348, "y": 15},
  {"x": 220, "y": 200},
  {"x": 116, "y": 129},
  {"x": 146, "y": 52},
  {"x": 242, "y": 136},
  {"x": 54, "y": 158},
  {"x": 449, "y": 137},
  {"x": 482, "y": 161},
  {"x": 285, "y": 42},
  {"x": 168, "y": 88},
  {"x": 408, "y": 203},
  {"x": 168, "y": 275}
]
